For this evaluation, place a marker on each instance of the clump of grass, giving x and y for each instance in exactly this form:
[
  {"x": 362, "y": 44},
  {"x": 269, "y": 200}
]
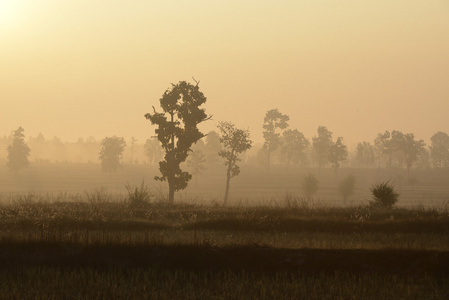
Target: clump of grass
[
  {"x": 138, "y": 196},
  {"x": 384, "y": 195}
]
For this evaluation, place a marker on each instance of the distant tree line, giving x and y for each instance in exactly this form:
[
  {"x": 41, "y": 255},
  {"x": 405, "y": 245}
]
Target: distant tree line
[{"x": 181, "y": 150}]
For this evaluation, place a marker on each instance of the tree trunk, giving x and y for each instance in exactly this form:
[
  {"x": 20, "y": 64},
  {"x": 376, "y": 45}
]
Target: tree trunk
[
  {"x": 171, "y": 193},
  {"x": 171, "y": 170},
  {"x": 228, "y": 179}
]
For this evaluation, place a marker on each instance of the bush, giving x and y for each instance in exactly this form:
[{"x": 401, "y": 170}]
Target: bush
[
  {"x": 384, "y": 195},
  {"x": 138, "y": 196},
  {"x": 310, "y": 185},
  {"x": 346, "y": 187}
]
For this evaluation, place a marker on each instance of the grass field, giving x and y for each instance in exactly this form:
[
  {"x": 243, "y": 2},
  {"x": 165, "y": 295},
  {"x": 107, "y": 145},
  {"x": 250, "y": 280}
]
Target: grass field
[
  {"x": 98, "y": 246},
  {"x": 253, "y": 187},
  {"x": 70, "y": 232}
]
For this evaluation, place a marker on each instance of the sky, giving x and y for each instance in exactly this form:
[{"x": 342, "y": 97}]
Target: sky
[{"x": 93, "y": 68}]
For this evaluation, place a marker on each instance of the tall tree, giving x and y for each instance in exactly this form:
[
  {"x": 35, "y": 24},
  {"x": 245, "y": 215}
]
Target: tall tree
[
  {"x": 273, "y": 121},
  {"x": 338, "y": 152},
  {"x": 18, "y": 151},
  {"x": 111, "y": 153},
  {"x": 294, "y": 146},
  {"x": 439, "y": 149},
  {"x": 234, "y": 141},
  {"x": 321, "y": 144},
  {"x": 177, "y": 130}
]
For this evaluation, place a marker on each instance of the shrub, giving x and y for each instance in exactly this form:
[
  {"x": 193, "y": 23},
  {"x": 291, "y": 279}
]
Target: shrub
[
  {"x": 384, "y": 195},
  {"x": 138, "y": 196},
  {"x": 346, "y": 187},
  {"x": 310, "y": 185}
]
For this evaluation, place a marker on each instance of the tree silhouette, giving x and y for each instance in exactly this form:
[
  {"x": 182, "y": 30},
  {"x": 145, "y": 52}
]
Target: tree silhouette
[
  {"x": 399, "y": 149},
  {"x": 338, "y": 152},
  {"x": 111, "y": 153},
  {"x": 234, "y": 141},
  {"x": 321, "y": 145},
  {"x": 177, "y": 130},
  {"x": 18, "y": 151},
  {"x": 273, "y": 120},
  {"x": 294, "y": 146},
  {"x": 439, "y": 149}
]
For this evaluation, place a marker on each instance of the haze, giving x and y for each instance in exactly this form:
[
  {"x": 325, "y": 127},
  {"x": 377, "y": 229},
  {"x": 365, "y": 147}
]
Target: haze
[{"x": 94, "y": 68}]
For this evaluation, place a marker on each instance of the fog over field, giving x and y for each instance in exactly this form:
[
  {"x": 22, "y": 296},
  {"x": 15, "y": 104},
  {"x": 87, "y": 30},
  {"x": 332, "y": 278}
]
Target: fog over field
[
  {"x": 168, "y": 149},
  {"x": 74, "y": 74}
]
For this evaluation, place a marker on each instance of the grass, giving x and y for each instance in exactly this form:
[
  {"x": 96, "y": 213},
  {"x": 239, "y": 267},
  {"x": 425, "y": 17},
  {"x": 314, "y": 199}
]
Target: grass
[
  {"x": 100, "y": 245},
  {"x": 57, "y": 283}
]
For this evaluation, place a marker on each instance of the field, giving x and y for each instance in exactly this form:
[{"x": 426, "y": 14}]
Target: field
[{"x": 70, "y": 232}]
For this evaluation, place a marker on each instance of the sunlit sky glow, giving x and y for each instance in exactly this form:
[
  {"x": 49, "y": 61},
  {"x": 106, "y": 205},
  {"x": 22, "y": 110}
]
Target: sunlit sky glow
[{"x": 94, "y": 68}]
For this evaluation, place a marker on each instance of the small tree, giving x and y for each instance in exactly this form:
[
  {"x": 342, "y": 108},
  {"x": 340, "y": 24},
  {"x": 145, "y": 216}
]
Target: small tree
[
  {"x": 177, "y": 130},
  {"x": 338, "y": 152},
  {"x": 111, "y": 153},
  {"x": 310, "y": 185},
  {"x": 346, "y": 187},
  {"x": 384, "y": 195},
  {"x": 18, "y": 152},
  {"x": 234, "y": 141},
  {"x": 273, "y": 120}
]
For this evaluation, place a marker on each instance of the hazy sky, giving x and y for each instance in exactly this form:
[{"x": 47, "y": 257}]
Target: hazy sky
[{"x": 91, "y": 67}]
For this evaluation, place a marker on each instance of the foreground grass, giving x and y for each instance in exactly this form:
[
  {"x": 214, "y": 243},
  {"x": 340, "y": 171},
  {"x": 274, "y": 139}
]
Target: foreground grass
[
  {"x": 86, "y": 283},
  {"x": 98, "y": 248}
]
